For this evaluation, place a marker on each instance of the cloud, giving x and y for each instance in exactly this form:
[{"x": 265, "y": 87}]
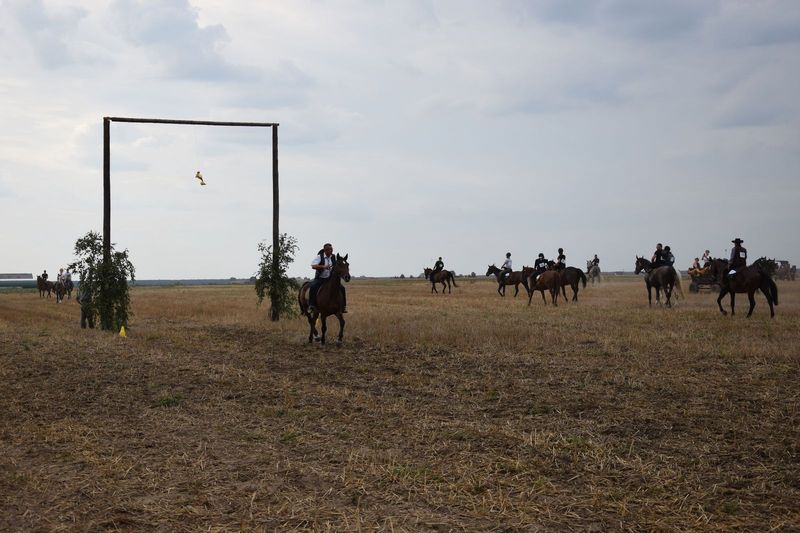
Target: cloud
[
  {"x": 51, "y": 34},
  {"x": 170, "y": 33}
]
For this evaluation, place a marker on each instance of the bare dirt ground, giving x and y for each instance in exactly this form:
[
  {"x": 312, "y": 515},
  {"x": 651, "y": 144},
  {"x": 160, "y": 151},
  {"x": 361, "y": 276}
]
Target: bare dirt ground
[{"x": 465, "y": 411}]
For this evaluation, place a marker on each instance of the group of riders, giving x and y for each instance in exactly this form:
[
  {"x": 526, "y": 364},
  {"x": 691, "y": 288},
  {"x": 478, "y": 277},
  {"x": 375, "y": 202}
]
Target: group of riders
[
  {"x": 325, "y": 260},
  {"x": 64, "y": 278},
  {"x": 736, "y": 261},
  {"x": 541, "y": 265}
]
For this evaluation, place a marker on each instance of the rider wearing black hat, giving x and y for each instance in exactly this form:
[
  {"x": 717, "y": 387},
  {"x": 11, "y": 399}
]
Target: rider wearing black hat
[
  {"x": 738, "y": 257},
  {"x": 561, "y": 260}
]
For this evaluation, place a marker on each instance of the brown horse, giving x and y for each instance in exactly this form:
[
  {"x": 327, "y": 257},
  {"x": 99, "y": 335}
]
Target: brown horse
[
  {"x": 444, "y": 277},
  {"x": 572, "y": 276},
  {"x": 549, "y": 280},
  {"x": 748, "y": 279},
  {"x": 44, "y": 286},
  {"x": 330, "y": 301},
  {"x": 515, "y": 278}
]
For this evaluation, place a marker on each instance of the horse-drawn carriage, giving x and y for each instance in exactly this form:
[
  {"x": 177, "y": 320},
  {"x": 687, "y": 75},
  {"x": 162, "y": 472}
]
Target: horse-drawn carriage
[
  {"x": 785, "y": 270},
  {"x": 703, "y": 279}
]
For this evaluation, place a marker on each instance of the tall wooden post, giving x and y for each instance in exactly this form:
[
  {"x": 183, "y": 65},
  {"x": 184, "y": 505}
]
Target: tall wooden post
[
  {"x": 275, "y": 211},
  {"x": 106, "y": 189},
  {"x": 105, "y": 310}
]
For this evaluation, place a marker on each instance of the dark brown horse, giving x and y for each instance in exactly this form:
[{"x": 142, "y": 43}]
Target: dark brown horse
[
  {"x": 569, "y": 276},
  {"x": 445, "y": 277},
  {"x": 748, "y": 279},
  {"x": 515, "y": 278},
  {"x": 549, "y": 280},
  {"x": 658, "y": 278},
  {"x": 330, "y": 301},
  {"x": 572, "y": 276},
  {"x": 44, "y": 286}
]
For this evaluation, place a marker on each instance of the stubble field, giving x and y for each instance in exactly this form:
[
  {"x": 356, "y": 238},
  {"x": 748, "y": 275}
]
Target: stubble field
[{"x": 464, "y": 411}]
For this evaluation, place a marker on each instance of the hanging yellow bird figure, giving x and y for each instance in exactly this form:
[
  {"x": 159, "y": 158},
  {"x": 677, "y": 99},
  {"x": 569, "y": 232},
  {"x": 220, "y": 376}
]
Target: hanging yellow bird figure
[{"x": 200, "y": 177}]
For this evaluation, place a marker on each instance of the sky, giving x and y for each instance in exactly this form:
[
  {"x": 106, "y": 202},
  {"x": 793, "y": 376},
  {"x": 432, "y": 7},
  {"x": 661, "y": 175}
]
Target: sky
[{"x": 408, "y": 130}]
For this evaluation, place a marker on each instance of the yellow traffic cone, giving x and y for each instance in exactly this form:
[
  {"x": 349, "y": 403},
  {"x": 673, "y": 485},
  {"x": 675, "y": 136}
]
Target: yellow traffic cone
[{"x": 122, "y": 332}]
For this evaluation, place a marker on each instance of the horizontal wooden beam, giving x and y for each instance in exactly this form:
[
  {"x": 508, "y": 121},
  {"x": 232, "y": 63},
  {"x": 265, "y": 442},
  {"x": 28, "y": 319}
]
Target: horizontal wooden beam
[{"x": 192, "y": 122}]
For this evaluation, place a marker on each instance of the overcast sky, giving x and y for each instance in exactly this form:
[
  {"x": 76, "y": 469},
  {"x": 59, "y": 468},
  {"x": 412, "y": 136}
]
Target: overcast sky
[{"x": 409, "y": 130}]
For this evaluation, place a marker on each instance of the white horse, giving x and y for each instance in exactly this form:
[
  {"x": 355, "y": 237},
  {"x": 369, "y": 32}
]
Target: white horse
[{"x": 592, "y": 272}]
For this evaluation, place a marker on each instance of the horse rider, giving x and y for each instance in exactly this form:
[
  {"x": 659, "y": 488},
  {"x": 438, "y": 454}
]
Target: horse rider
[
  {"x": 561, "y": 260},
  {"x": 44, "y": 275},
  {"x": 596, "y": 261},
  {"x": 669, "y": 259},
  {"x": 738, "y": 258},
  {"x": 706, "y": 259},
  {"x": 658, "y": 256},
  {"x": 437, "y": 267},
  {"x": 540, "y": 265},
  {"x": 322, "y": 264},
  {"x": 505, "y": 269},
  {"x": 62, "y": 277}
]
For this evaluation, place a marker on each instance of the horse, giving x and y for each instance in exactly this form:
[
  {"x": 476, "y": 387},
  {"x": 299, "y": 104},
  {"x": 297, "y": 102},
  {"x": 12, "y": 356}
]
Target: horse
[
  {"x": 60, "y": 290},
  {"x": 663, "y": 277},
  {"x": 444, "y": 277},
  {"x": 571, "y": 276},
  {"x": 592, "y": 271},
  {"x": 329, "y": 301},
  {"x": 515, "y": 278},
  {"x": 68, "y": 286},
  {"x": 748, "y": 279},
  {"x": 44, "y": 286},
  {"x": 549, "y": 280}
]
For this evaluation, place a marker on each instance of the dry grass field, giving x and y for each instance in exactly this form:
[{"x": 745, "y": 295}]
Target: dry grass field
[{"x": 457, "y": 412}]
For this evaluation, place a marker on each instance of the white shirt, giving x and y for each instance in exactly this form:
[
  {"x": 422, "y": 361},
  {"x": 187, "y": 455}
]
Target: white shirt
[
  {"x": 507, "y": 264},
  {"x": 328, "y": 261}
]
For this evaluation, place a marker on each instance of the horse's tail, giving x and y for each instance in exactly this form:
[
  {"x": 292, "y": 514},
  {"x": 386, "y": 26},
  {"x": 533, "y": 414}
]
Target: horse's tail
[
  {"x": 301, "y": 299},
  {"x": 583, "y": 277},
  {"x": 452, "y": 277},
  {"x": 678, "y": 282},
  {"x": 773, "y": 288}
]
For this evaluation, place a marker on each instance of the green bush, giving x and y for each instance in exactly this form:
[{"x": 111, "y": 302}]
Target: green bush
[
  {"x": 271, "y": 277},
  {"x": 113, "y": 303}
]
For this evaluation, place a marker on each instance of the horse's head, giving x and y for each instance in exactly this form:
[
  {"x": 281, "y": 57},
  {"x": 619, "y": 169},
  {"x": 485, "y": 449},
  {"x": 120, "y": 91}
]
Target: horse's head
[
  {"x": 642, "y": 264},
  {"x": 427, "y": 272},
  {"x": 342, "y": 267},
  {"x": 527, "y": 271},
  {"x": 492, "y": 270},
  {"x": 767, "y": 266}
]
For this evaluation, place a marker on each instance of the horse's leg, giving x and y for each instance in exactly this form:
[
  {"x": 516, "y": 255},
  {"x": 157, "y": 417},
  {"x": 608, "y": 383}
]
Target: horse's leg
[
  {"x": 341, "y": 328},
  {"x": 516, "y": 289},
  {"x": 543, "y": 298},
  {"x": 575, "y": 289},
  {"x": 668, "y": 295},
  {"x": 733, "y": 302},
  {"x": 649, "y": 296},
  {"x": 324, "y": 328},
  {"x": 722, "y": 292},
  {"x": 564, "y": 292},
  {"x": 554, "y": 295},
  {"x": 752, "y": 298},
  {"x": 433, "y": 287},
  {"x": 530, "y": 295},
  {"x": 768, "y": 296},
  {"x": 312, "y": 331}
]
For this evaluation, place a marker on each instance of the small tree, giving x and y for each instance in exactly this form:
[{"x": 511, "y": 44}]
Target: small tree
[
  {"x": 277, "y": 284},
  {"x": 103, "y": 287}
]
